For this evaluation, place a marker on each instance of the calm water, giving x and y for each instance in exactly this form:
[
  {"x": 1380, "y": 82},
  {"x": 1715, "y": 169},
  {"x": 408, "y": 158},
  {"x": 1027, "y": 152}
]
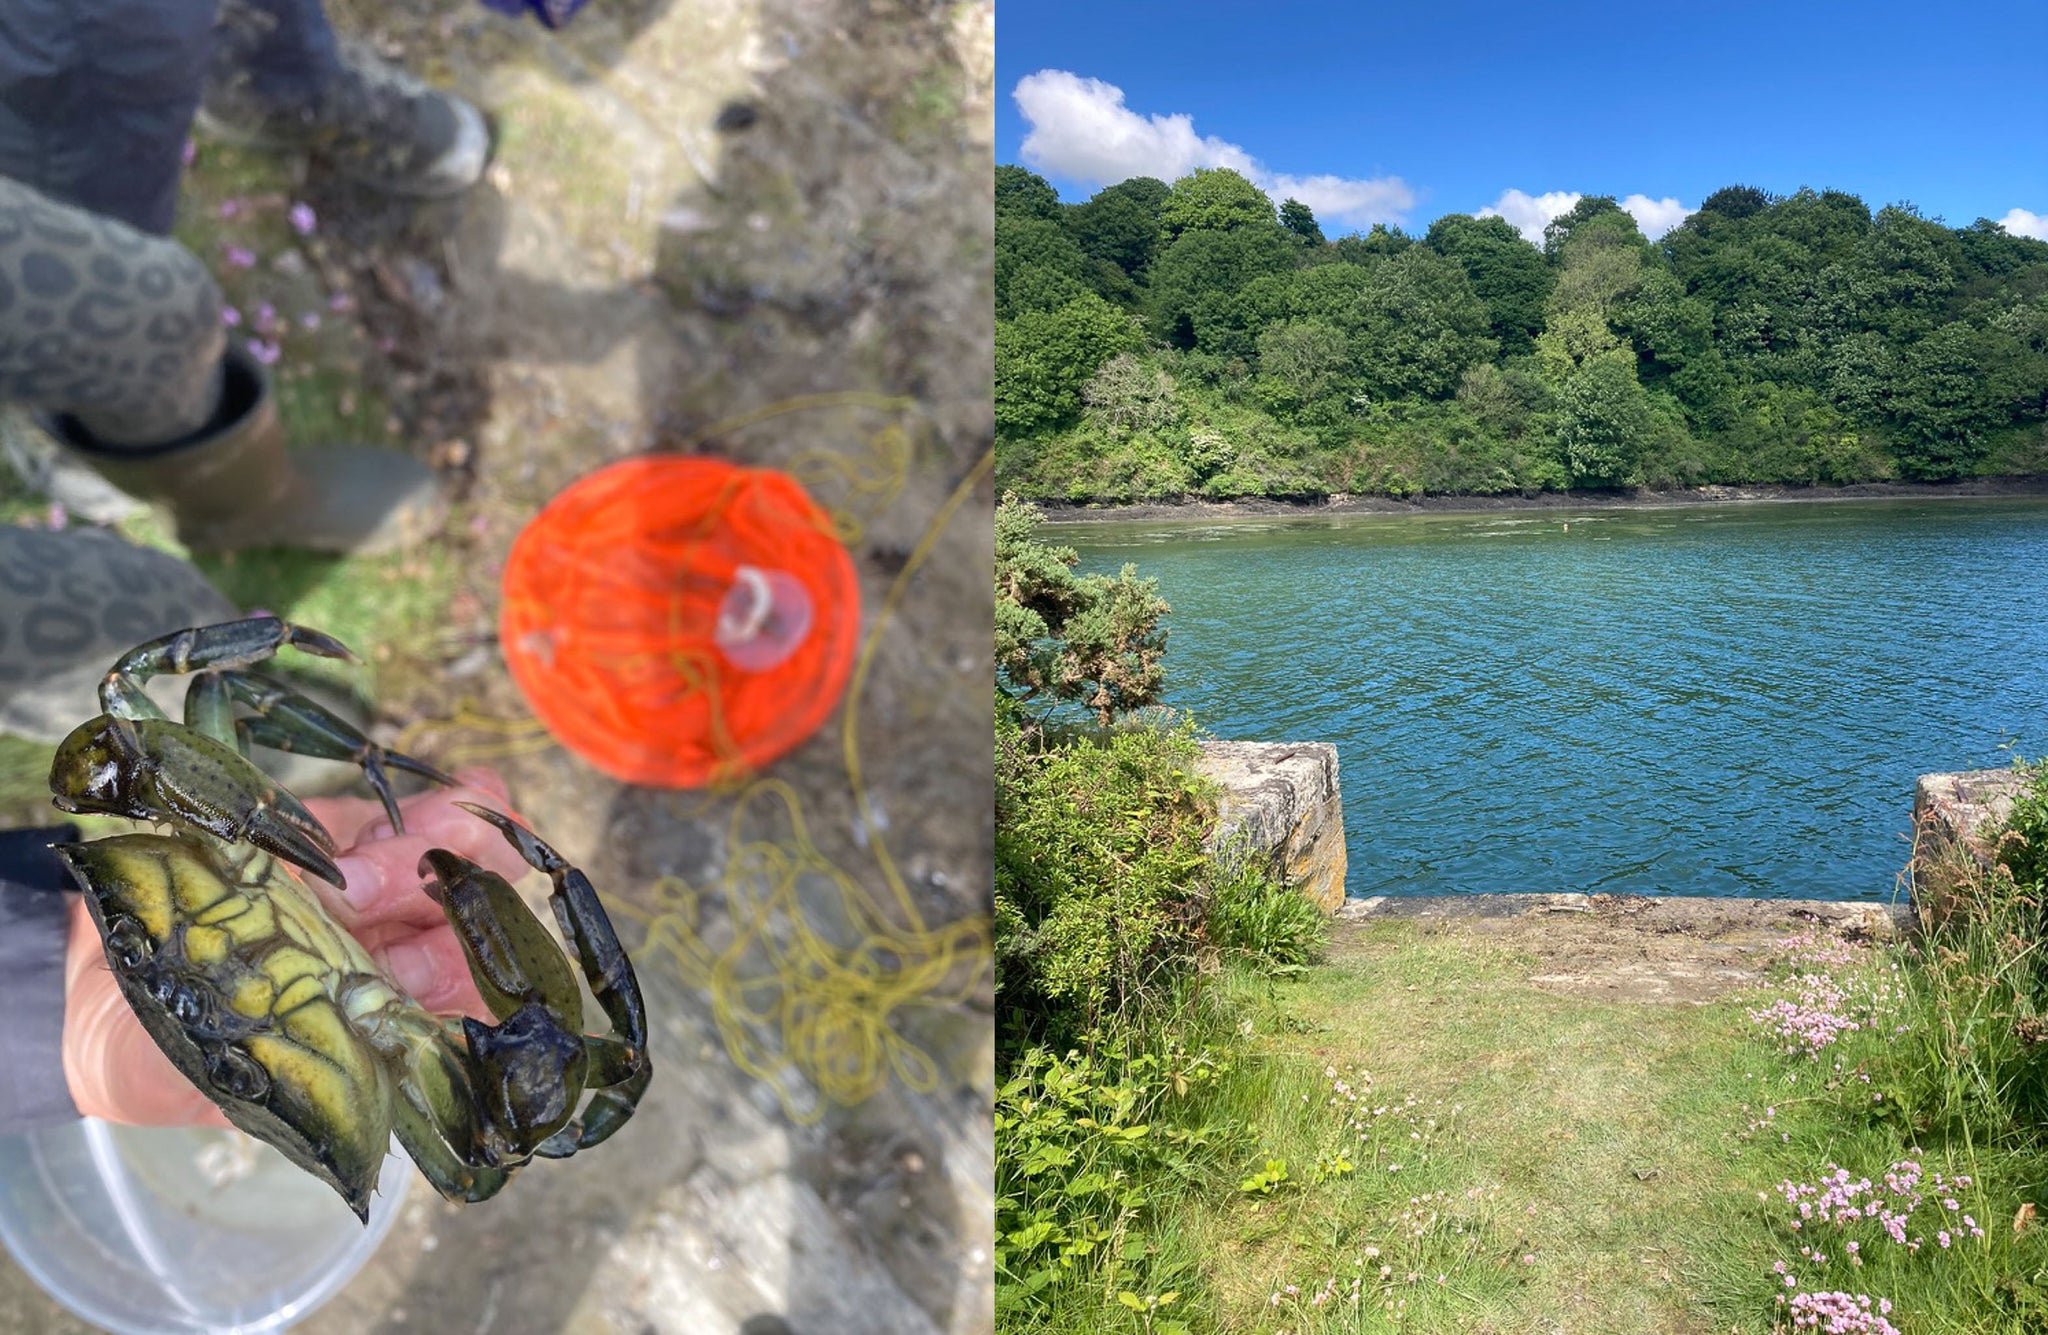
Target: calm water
[{"x": 1719, "y": 701}]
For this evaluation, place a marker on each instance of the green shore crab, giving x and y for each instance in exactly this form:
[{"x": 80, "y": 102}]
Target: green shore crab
[{"x": 279, "y": 1015}]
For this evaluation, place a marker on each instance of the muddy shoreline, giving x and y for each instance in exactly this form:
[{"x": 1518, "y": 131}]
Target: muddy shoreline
[{"x": 1636, "y": 499}]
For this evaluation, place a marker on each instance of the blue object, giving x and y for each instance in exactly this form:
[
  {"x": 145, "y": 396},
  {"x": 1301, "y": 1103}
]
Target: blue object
[{"x": 551, "y": 13}]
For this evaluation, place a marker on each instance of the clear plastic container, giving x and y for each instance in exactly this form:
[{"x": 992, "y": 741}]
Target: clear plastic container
[{"x": 152, "y": 1231}]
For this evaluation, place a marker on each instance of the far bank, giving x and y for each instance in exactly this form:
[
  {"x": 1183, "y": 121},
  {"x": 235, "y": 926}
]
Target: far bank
[{"x": 1638, "y": 498}]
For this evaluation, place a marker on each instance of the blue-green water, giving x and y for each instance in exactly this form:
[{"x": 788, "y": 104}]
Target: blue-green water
[{"x": 1728, "y": 700}]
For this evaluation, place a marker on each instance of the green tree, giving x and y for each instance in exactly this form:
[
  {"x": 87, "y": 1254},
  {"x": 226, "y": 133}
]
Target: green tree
[
  {"x": 1194, "y": 278},
  {"x": 1506, "y": 272},
  {"x": 1120, "y": 224},
  {"x": 1024, "y": 194},
  {"x": 1736, "y": 202},
  {"x": 1304, "y": 359},
  {"x": 1604, "y": 421},
  {"x": 1419, "y": 326},
  {"x": 1214, "y": 199},
  {"x": 1559, "y": 230},
  {"x": 1297, "y": 218},
  {"x": 1940, "y": 406},
  {"x": 1382, "y": 242},
  {"x": 1038, "y": 267},
  {"x": 1044, "y": 357},
  {"x": 1090, "y": 640}
]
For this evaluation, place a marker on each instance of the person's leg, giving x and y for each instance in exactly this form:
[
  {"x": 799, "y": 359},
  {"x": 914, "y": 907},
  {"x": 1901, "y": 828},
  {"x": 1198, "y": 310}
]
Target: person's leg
[
  {"x": 117, "y": 327},
  {"x": 280, "y": 78},
  {"x": 96, "y": 99},
  {"x": 115, "y": 335}
]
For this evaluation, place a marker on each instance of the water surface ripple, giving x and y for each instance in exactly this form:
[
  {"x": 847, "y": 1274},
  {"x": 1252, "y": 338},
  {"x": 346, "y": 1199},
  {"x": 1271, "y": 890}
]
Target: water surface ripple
[{"x": 1727, "y": 700}]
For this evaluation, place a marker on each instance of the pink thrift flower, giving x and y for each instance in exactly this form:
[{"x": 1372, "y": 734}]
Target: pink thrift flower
[
  {"x": 341, "y": 301},
  {"x": 230, "y": 317},
  {"x": 302, "y": 219},
  {"x": 265, "y": 351},
  {"x": 310, "y": 320},
  {"x": 231, "y": 208},
  {"x": 189, "y": 154},
  {"x": 240, "y": 257}
]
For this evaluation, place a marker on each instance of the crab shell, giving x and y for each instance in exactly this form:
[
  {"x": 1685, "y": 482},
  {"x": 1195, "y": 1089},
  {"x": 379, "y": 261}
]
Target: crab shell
[{"x": 247, "y": 968}]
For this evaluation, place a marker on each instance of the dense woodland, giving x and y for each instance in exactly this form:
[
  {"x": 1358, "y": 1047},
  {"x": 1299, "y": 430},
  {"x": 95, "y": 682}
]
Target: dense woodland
[{"x": 1159, "y": 342}]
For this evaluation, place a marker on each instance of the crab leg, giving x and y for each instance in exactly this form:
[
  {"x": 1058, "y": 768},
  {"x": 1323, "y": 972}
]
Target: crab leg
[
  {"x": 288, "y": 721},
  {"x": 436, "y": 1114},
  {"x": 609, "y": 1109},
  {"x": 584, "y": 924},
  {"x": 232, "y": 644}
]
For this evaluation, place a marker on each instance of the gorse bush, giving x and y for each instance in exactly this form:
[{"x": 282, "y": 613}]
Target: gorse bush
[{"x": 1099, "y": 863}]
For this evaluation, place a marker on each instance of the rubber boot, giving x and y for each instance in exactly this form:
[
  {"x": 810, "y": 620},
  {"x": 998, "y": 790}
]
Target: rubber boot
[
  {"x": 232, "y": 484},
  {"x": 373, "y": 124}
]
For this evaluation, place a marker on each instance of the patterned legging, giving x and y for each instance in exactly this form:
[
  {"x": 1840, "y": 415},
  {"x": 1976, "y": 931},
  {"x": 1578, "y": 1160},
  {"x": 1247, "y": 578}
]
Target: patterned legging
[{"x": 101, "y": 315}]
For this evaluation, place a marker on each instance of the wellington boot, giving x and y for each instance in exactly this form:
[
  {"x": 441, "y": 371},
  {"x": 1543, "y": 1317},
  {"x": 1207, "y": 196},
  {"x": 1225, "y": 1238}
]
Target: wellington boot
[
  {"x": 375, "y": 124},
  {"x": 233, "y": 484}
]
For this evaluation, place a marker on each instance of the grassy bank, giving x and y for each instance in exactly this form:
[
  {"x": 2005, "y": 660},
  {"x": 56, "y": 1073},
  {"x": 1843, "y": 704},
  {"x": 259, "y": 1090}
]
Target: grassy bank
[{"x": 1423, "y": 1134}]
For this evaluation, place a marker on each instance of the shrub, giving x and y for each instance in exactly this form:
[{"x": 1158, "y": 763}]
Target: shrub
[{"x": 1252, "y": 915}]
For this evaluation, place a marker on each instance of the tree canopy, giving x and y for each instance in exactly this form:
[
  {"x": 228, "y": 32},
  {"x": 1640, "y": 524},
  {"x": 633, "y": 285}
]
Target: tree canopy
[{"x": 1798, "y": 338}]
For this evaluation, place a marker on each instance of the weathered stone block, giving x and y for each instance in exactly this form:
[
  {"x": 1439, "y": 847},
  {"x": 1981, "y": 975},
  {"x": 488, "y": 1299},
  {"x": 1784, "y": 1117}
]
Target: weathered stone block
[
  {"x": 1954, "y": 816},
  {"x": 1281, "y": 802}
]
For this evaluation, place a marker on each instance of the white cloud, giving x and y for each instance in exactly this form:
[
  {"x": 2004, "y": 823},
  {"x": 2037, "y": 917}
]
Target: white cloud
[
  {"x": 1529, "y": 214},
  {"x": 1082, "y": 131},
  {"x": 2021, "y": 222},
  {"x": 1655, "y": 216}
]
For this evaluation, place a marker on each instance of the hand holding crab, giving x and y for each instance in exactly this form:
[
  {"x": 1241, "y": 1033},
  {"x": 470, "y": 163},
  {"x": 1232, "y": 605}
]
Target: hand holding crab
[
  {"x": 248, "y": 983},
  {"x": 114, "y": 1068}
]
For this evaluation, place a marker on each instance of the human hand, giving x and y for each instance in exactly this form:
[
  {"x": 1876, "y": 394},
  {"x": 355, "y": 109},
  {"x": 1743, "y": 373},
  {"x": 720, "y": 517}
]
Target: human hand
[{"x": 115, "y": 1069}]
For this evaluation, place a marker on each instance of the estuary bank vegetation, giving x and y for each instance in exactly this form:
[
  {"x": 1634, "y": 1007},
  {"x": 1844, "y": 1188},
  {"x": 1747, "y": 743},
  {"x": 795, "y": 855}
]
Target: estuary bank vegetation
[
  {"x": 1214, "y": 1115},
  {"x": 1160, "y": 343}
]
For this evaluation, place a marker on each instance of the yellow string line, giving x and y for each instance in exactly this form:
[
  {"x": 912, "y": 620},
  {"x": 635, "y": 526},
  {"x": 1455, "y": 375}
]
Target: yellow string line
[{"x": 851, "y": 732}]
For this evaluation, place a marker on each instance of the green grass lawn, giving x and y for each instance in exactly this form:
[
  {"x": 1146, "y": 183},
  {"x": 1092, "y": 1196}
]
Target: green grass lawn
[{"x": 1465, "y": 1153}]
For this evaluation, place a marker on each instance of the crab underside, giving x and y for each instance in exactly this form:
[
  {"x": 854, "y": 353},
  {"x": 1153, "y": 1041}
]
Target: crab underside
[{"x": 275, "y": 1012}]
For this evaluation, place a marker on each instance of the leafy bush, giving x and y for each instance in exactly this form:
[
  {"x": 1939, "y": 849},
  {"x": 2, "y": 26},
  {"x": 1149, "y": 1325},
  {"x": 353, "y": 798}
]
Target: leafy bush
[
  {"x": 1250, "y": 914},
  {"x": 1088, "y": 1149},
  {"x": 2023, "y": 843},
  {"x": 1098, "y": 861}
]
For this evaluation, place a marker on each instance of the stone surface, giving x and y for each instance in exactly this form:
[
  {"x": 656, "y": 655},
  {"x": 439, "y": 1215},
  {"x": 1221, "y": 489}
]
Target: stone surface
[
  {"x": 1680, "y": 950},
  {"x": 1953, "y": 817},
  {"x": 1282, "y": 801}
]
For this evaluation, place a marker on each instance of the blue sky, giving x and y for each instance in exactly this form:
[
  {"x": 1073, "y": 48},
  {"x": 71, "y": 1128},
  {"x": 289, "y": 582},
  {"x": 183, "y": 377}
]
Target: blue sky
[{"x": 1403, "y": 114}]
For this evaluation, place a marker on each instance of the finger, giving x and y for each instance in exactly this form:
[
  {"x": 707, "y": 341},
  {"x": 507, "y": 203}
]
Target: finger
[
  {"x": 352, "y": 819},
  {"x": 345, "y": 817},
  {"x": 437, "y": 816},
  {"x": 432, "y": 967},
  {"x": 383, "y": 886}
]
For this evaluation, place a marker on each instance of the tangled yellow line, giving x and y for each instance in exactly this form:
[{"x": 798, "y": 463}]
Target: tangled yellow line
[
  {"x": 781, "y": 968},
  {"x": 806, "y": 968}
]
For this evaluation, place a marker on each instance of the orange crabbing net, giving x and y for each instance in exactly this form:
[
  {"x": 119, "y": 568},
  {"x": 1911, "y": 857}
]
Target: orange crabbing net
[{"x": 612, "y": 599}]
